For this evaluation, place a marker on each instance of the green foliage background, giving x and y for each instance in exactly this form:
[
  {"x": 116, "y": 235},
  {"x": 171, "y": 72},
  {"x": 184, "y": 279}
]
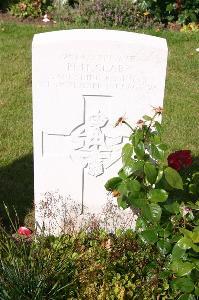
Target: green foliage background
[{"x": 114, "y": 12}]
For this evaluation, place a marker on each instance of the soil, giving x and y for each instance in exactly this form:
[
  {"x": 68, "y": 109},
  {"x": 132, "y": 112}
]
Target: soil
[{"x": 7, "y": 17}]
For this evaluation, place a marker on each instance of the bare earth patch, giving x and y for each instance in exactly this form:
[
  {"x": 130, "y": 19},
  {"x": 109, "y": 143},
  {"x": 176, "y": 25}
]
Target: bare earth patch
[{"x": 7, "y": 17}]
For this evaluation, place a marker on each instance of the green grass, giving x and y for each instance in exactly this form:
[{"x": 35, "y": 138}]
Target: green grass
[
  {"x": 180, "y": 120},
  {"x": 82, "y": 266}
]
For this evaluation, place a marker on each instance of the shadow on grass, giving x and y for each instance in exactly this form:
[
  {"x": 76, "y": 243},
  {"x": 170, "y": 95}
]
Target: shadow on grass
[{"x": 16, "y": 190}]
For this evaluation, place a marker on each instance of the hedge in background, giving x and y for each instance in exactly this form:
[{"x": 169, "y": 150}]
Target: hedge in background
[
  {"x": 127, "y": 13},
  {"x": 112, "y": 13},
  {"x": 182, "y": 11},
  {"x": 31, "y": 8}
]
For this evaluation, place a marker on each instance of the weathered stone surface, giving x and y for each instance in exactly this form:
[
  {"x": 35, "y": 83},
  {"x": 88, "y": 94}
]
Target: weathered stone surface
[{"x": 83, "y": 81}]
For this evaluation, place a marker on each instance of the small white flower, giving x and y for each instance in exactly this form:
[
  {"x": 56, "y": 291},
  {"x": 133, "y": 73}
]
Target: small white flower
[
  {"x": 185, "y": 210},
  {"x": 197, "y": 49},
  {"x": 45, "y": 19}
]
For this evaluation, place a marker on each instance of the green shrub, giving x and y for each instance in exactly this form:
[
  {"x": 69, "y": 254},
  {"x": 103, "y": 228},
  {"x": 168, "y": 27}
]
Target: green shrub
[
  {"x": 165, "y": 190},
  {"x": 183, "y": 11},
  {"x": 109, "y": 13},
  {"x": 31, "y": 8},
  {"x": 83, "y": 266}
]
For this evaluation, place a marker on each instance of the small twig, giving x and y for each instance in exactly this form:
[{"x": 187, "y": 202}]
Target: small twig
[{"x": 127, "y": 124}]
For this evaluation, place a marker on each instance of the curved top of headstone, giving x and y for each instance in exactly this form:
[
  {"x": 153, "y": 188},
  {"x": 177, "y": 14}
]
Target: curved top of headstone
[
  {"x": 98, "y": 34},
  {"x": 83, "y": 81}
]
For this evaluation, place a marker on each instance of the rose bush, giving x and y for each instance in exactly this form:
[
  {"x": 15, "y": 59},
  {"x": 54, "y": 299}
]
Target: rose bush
[{"x": 166, "y": 198}]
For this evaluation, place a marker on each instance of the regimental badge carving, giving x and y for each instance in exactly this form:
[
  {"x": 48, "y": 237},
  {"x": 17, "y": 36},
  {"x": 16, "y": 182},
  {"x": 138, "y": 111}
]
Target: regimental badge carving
[
  {"x": 95, "y": 145},
  {"x": 92, "y": 145}
]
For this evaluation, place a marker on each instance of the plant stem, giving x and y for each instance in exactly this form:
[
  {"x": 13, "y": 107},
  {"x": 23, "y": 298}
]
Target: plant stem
[
  {"x": 128, "y": 125},
  {"x": 153, "y": 118}
]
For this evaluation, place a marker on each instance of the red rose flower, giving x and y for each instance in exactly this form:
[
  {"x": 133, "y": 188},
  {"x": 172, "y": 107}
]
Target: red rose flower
[
  {"x": 24, "y": 231},
  {"x": 185, "y": 157},
  {"x": 173, "y": 162},
  {"x": 180, "y": 159}
]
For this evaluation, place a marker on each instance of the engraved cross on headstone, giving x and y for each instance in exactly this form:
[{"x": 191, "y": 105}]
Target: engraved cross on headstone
[{"x": 91, "y": 143}]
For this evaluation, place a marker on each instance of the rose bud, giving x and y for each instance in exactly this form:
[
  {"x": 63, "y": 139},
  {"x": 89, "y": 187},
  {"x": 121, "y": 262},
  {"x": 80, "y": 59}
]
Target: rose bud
[{"x": 24, "y": 231}]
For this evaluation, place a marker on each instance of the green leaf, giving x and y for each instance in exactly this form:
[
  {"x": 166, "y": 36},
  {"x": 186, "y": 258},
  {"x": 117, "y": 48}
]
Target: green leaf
[
  {"x": 136, "y": 137},
  {"x": 155, "y": 152},
  {"x": 158, "y": 195},
  {"x": 197, "y": 291},
  {"x": 195, "y": 248},
  {"x": 175, "y": 237},
  {"x": 139, "y": 150},
  {"x": 122, "y": 188},
  {"x": 159, "y": 176},
  {"x": 147, "y": 118},
  {"x": 186, "y": 232},
  {"x": 152, "y": 212},
  {"x": 164, "y": 275},
  {"x": 122, "y": 202},
  {"x": 121, "y": 174},
  {"x": 187, "y": 297},
  {"x": 131, "y": 167},
  {"x": 173, "y": 208},
  {"x": 155, "y": 139},
  {"x": 150, "y": 172},
  {"x": 195, "y": 236},
  {"x": 164, "y": 246},
  {"x": 113, "y": 183},
  {"x": 141, "y": 224},
  {"x": 178, "y": 253},
  {"x": 127, "y": 152},
  {"x": 195, "y": 261},
  {"x": 137, "y": 202},
  {"x": 173, "y": 178},
  {"x": 169, "y": 7},
  {"x": 163, "y": 147},
  {"x": 146, "y": 213},
  {"x": 193, "y": 205},
  {"x": 156, "y": 212},
  {"x": 196, "y": 178},
  {"x": 133, "y": 185},
  {"x": 158, "y": 127},
  {"x": 165, "y": 232},
  {"x": 181, "y": 268},
  {"x": 185, "y": 243},
  {"x": 193, "y": 188},
  {"x": 149, "y": 236},
  {"x": 185, "y": 285}
]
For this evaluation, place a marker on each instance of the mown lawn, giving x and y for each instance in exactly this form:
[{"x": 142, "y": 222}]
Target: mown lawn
[{"x": 181, "y": 115}]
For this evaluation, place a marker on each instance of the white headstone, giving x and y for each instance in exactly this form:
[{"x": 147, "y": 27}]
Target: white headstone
[{"x": 83, "y": 81}]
